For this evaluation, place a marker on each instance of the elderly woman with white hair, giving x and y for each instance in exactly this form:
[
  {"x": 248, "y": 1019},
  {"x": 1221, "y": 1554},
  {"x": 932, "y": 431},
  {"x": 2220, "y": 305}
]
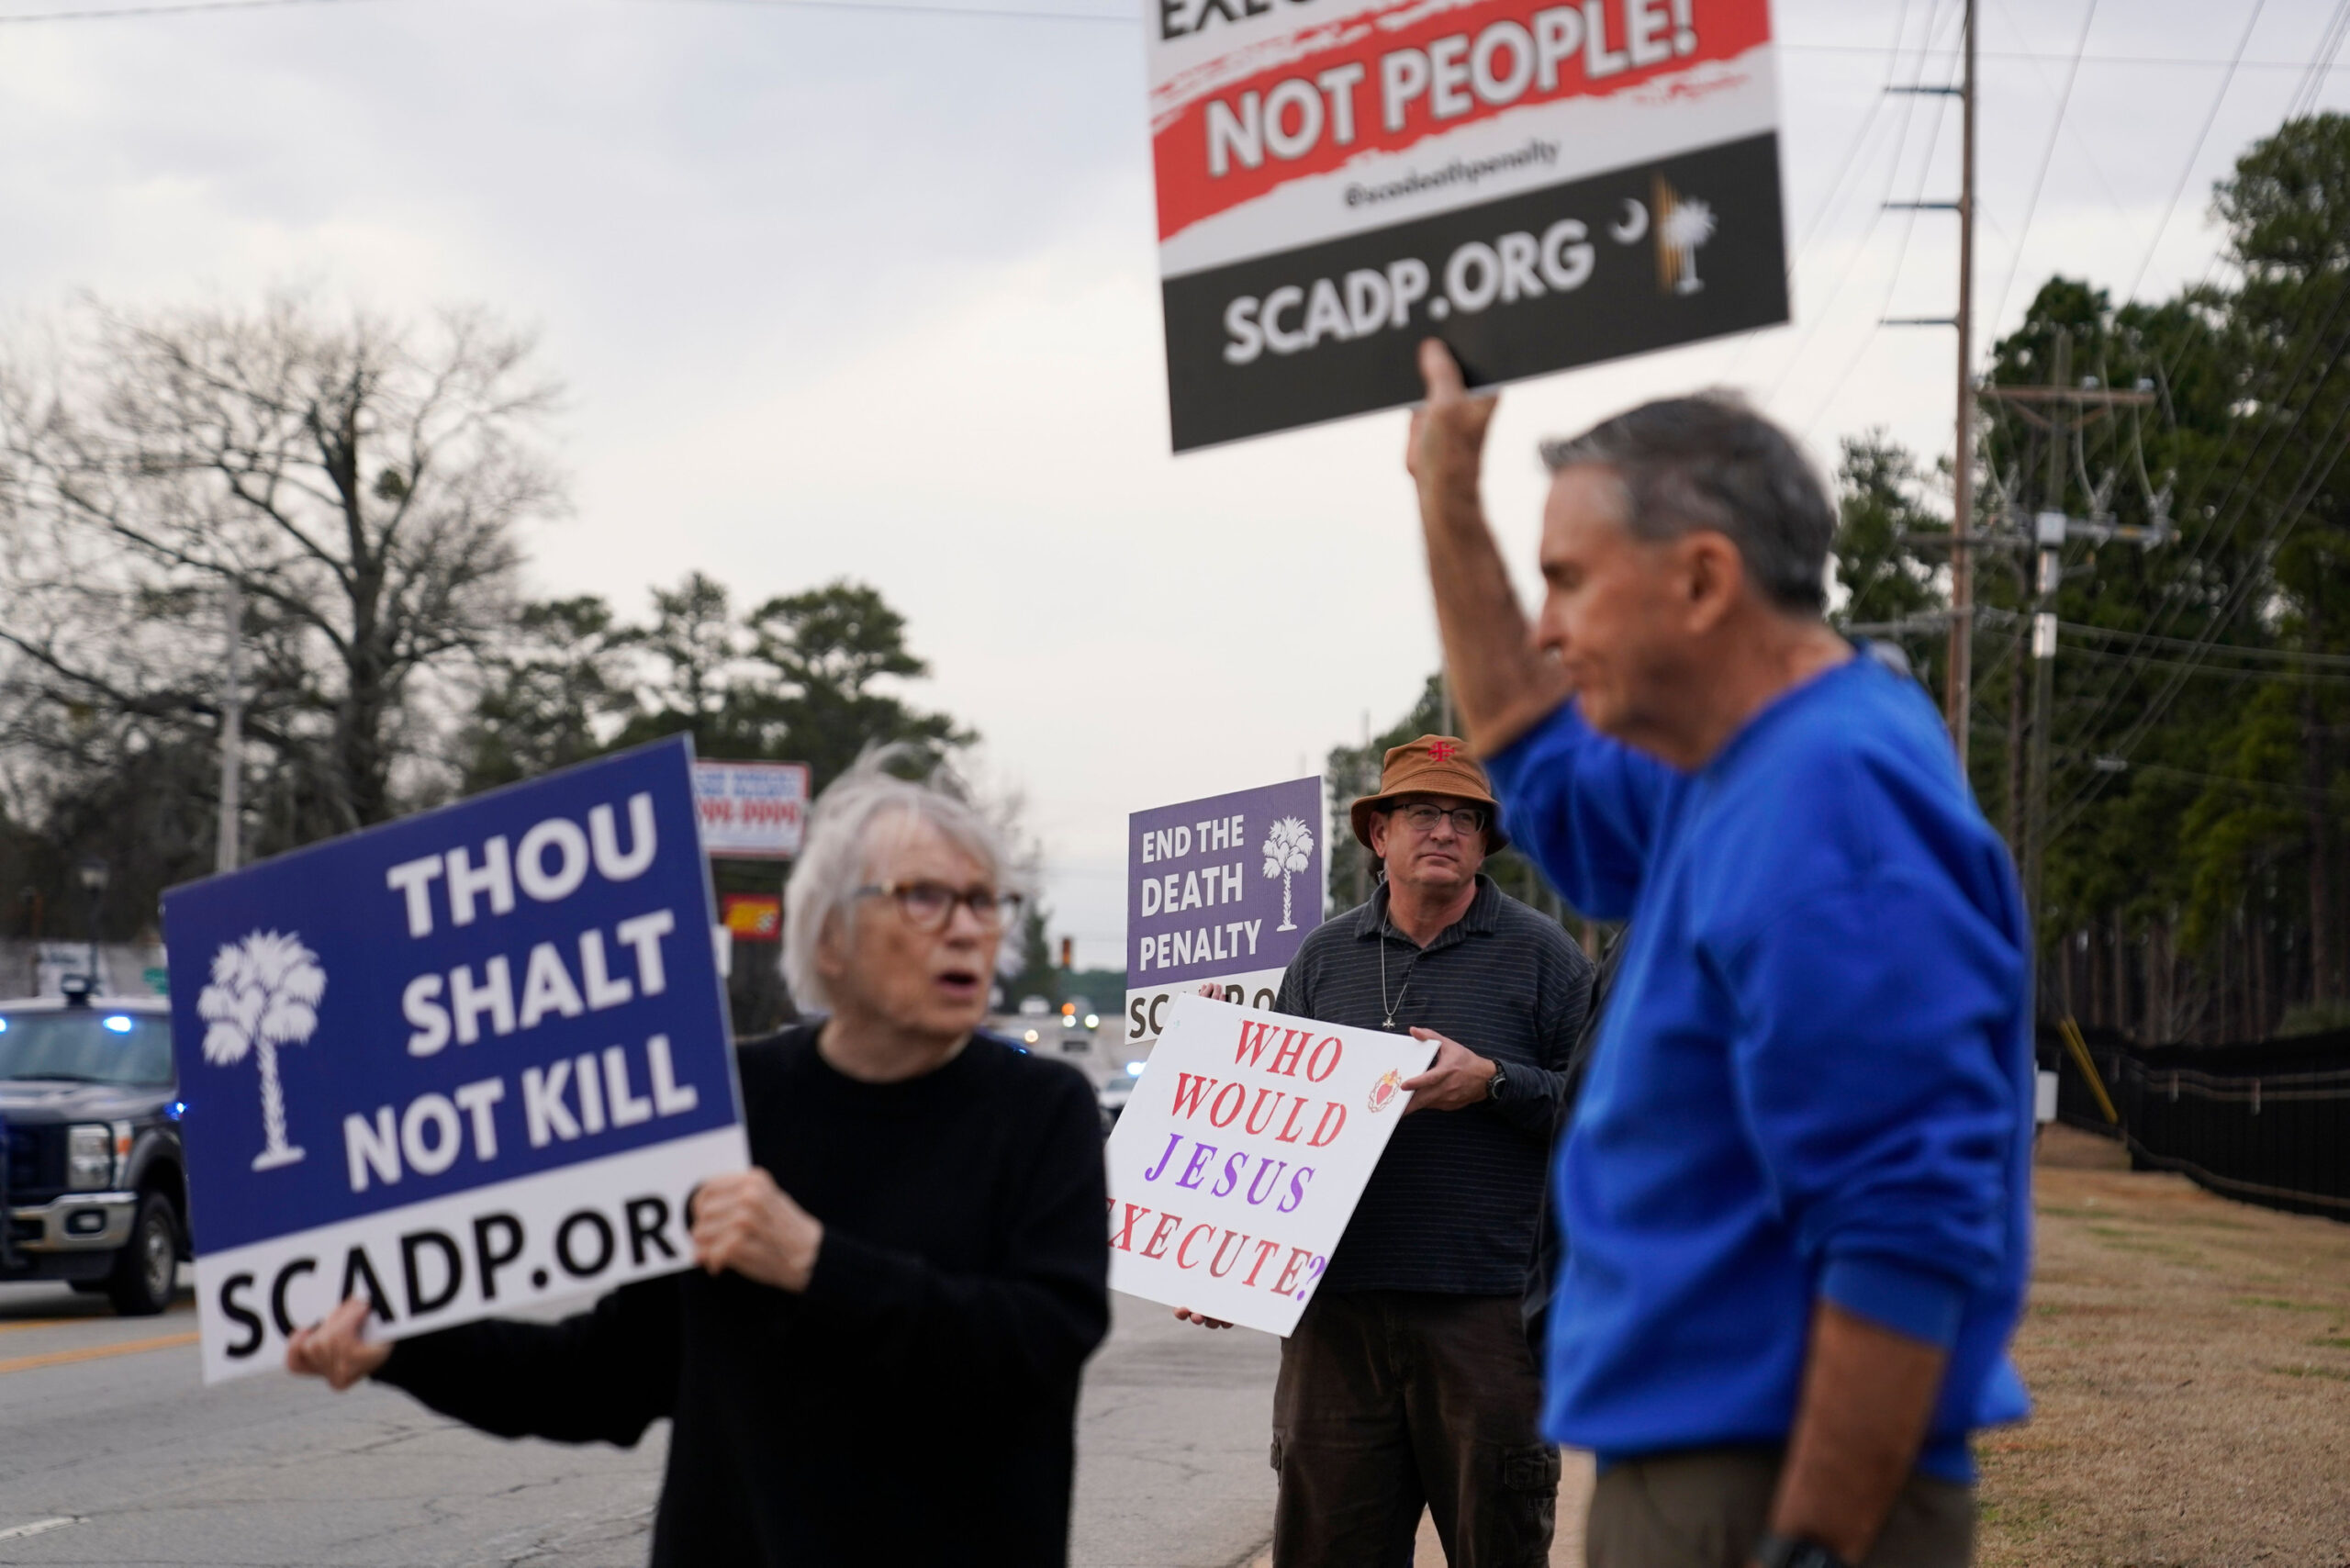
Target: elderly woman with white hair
[{"x": 877, "y": 1359}]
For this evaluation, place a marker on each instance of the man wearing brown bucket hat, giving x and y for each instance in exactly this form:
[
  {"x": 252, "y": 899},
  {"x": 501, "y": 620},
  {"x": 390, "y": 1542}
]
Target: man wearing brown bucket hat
[{"x": 1410, "y": 1381}]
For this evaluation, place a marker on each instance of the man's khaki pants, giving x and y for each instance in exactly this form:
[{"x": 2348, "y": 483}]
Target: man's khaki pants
[
  {"x": 1391, "y": 1400},
  {"x": 1706, "y": 1507}
]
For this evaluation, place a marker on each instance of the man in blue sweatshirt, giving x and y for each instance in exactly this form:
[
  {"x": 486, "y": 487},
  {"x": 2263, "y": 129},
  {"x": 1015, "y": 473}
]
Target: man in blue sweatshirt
[{"x": 1797, "y": 1187}]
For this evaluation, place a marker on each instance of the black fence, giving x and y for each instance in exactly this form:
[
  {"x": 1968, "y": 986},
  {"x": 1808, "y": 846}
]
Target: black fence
[{"x": 2266, "y": 1122}]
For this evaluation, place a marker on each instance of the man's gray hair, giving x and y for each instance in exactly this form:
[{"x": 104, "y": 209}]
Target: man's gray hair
[
  {"x": 860, "y": 815},
  {"x": 1710, "y": 461}
]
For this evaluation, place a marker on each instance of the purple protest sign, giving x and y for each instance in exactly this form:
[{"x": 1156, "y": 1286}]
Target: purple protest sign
[{"x": 1223, "y": 888}]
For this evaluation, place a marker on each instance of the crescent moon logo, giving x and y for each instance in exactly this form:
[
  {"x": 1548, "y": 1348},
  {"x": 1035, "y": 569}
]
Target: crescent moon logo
[{"x": 1635, "y": 224}]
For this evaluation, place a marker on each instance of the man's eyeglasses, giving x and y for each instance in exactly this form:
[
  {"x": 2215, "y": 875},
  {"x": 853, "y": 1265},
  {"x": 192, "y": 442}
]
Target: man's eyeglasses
[
  {"x": 1466, "y": 820},
  {"x": 929, "y": 906}
]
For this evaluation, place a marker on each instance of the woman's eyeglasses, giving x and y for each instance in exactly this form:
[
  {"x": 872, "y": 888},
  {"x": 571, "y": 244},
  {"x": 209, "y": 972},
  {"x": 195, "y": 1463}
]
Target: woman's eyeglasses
[
  {"x": 1466, "y": 820},
  {"x": 929, "y": 906}
]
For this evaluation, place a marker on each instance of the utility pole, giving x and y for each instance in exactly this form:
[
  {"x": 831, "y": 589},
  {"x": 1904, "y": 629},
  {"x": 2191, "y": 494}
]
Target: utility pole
[
  {"x": 2060, "y": 410},
  {"x": 232, "y": 717},
  {"x": 2049, "y": 534},
  {"x": 1959, "y": 695},
  {"x": 1958, "y": 688}
]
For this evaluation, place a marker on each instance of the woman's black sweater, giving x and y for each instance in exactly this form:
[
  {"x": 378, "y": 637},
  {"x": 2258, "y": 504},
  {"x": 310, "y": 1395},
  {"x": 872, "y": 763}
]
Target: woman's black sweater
[{"x": 917, "y": 1403}]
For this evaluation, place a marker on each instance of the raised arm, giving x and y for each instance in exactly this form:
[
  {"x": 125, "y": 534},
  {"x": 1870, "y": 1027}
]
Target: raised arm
[
  {"x": 1501, "y": 683},
  {"x": 1582, "y": 804}
]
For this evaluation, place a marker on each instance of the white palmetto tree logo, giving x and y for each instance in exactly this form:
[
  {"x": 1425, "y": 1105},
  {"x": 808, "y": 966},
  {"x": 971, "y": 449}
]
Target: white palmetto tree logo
[
  {"x": 1289, "y": 849},
  {"x": 264, "y": 993},
  {"x": 1688, "y": 226}
]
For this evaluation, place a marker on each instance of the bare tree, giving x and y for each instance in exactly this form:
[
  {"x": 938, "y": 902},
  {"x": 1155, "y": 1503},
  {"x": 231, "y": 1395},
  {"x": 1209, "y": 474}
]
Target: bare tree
[{"x": 357, "y": 481}]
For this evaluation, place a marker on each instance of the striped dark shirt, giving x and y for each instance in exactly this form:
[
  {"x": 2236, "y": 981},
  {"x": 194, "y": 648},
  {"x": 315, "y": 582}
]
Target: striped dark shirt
[{"x": 1455, "y": 1205}]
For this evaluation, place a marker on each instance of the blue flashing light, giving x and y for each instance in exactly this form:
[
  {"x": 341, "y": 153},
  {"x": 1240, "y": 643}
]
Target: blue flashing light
[
  {"x": 1134, "y": 1069},
  {"x": 3, "y": 1025},
  {"x": 177, "y": 1108},
  {"x": 118, "y": 1021}
]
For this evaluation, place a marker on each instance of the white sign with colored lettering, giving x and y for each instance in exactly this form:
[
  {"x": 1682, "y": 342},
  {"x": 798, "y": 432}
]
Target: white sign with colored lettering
[
  {"x": 751, "y": 811},
  {"x": 1235, "y": 1166}
]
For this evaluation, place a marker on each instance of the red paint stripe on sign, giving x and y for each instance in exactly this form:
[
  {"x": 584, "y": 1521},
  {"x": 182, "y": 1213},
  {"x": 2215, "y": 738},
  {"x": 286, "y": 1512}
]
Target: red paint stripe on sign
[{"x": 1386, "y": 80}]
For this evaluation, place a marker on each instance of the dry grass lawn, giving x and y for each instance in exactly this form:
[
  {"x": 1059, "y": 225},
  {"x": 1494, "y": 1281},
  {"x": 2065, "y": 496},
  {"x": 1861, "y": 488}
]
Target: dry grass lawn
[{"x": 2190, "y": 1358}]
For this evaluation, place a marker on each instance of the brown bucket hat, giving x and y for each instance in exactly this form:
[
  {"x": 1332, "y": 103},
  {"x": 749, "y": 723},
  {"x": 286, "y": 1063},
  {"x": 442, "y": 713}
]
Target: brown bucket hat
[{"x": 1433, "y": 765}]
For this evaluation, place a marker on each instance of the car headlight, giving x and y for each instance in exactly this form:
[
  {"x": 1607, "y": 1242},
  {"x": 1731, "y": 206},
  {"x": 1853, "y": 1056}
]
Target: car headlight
[{"x": 89, "y": 1158}]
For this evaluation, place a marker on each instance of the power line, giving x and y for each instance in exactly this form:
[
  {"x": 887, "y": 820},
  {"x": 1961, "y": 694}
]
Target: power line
[
  {"x": 2320, "y": 63},
  {"x": 2236, "y": 498},
  {"x": 2195, "y": 668},
  {"x": 2047, "y": 156},
  {"x": 1852, "y": 147},
  {"x": 2164, "y": 771},
  {"x": 1901, "y": 250},
  {"x": 2080, "y": 143},
  {"x": 186, "y": 7},
  {"x": 2329, "y": 45},
  {"x": 1900, "y": 141},
  {"x": 1892, "y": 281},
  {"x": 2314, "y": 69},
  {"x": 2312, "y": 480},
  {"x": 894, "y": 7},
  {"x": 899, "y": 7},
  {"x": 2187, "y": 170},
  {"x": 1844, "y": 166},
  {"x": 2075, "y": 629},
  {"x": 2220, "y": 520},
  {"x": 161, "y": 8},
  {"x": 2290, "y": 656},
  {"x": 2170, "y": 61}
]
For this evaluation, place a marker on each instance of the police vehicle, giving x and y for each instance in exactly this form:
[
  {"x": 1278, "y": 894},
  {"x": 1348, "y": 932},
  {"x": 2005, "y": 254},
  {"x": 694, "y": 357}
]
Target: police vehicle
[{"x": 91, "y": 1180}]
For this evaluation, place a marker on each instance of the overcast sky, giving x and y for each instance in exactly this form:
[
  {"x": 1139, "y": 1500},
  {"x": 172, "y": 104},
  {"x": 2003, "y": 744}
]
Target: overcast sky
[{"x": 855, "y": 291}]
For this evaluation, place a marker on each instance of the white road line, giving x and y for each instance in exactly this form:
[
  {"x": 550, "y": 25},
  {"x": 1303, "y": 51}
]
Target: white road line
[{"x": 39, "y": 1527}]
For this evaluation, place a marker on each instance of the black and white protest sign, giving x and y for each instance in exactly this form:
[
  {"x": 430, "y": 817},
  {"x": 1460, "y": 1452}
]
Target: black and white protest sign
[{"x": 1539, "y": 184}]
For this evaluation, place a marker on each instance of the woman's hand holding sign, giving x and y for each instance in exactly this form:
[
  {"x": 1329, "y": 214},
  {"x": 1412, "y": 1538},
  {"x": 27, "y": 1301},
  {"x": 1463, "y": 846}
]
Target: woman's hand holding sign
[
  {"x": 335, "y": 1347},
  {"x": 744, "y": 1222}
]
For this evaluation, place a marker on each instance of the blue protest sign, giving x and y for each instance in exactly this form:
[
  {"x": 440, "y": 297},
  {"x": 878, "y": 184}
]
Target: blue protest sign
[
  {"x": 1223, "y": 889},
  {"x": 459, "y": 1063}
]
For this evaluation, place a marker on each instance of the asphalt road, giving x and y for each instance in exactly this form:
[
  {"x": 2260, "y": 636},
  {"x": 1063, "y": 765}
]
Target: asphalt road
[{"x": 113, "y": 1451}]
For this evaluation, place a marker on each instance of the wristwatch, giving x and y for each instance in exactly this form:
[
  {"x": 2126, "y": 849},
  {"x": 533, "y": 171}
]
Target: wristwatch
[
  {"x": 1497, "y": 1085},
  {"x": 1789, "y": 1551}
]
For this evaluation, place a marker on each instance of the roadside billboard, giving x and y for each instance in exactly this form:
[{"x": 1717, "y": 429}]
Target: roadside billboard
[
  {"x": 1223, "y": 889},
  {"x": 459, "y": 1064},
  {"x": 751, "y": 811},
  {"x": 1540, "y": 183},
  {"x": 1242, "y": 1153}
]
